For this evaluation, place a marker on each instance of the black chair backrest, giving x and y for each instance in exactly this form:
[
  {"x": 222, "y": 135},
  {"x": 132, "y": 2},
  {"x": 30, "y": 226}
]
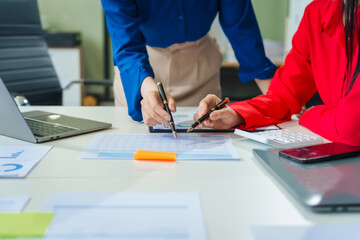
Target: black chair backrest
[{"x": 25, "y": 64}]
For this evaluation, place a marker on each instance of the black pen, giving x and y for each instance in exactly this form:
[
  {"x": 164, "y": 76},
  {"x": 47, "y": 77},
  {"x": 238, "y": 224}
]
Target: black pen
[
  {"x": 166, "y": 106},
  {"x": 206, "y": 116}
]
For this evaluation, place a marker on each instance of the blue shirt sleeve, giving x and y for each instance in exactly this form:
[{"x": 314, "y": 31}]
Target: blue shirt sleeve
[
  {"x": 129, "y": 50},
  {"x": 238, "y": 21}
]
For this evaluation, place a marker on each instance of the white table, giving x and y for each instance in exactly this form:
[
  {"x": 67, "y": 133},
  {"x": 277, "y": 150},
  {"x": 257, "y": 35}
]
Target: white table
[{"x": 234, "y": 194}]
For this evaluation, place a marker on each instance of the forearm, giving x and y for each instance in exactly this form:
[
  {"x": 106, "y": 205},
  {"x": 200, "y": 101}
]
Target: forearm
[
  {"x": 263, "y": 84},
  {"x": 335, "y": 123},
  {"x": 132, "y": 81},
  {"x": 261, "y": 111},
  {"x": 148, "y": 85}
]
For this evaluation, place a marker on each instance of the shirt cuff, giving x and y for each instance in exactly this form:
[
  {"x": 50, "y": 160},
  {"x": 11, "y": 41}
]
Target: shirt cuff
[
  {"x": 132, "y": 80},
  {"x": 263, "y": 74}
]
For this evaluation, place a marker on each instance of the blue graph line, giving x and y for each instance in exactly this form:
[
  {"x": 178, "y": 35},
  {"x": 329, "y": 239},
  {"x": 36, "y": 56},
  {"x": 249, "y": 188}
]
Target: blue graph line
[
  {"x": 13, "y": 155},
  {"x": 121, "y": 236},
  {"x": 179, "y": 156},
  {"x": 120, "y": 206},
  {"x": 16, "y": 167},
  {"x": 115, "y": 155}
]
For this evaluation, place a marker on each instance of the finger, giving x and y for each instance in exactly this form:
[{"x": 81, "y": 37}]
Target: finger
[
  {"x": 155, "y": 111},
  {"x": 220, "y": 114},
  {"x": 171, "y": 102},
  {"x": 209, "y": 124},
  {"x": 208, "y": 102},
  {"x": 203, "y": 124},
  {"x": 148, "y": 120},
  {"x": 200, "y": 126},
  {"x": 205, "y": 105},
  {"x": 159, "y": 115}
]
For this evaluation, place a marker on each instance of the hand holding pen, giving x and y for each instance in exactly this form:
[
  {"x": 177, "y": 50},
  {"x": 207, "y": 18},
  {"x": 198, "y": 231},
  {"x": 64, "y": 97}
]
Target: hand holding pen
[
  {"x": 199, "y": 121},
  {"x": 152, "y": 109},
  {"x": 166, "y": 106},
  {"x": 212, "y": 112}
]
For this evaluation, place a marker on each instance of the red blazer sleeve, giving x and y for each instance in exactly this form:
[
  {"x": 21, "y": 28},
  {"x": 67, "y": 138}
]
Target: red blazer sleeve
[
  {"x": 292, "y": 86},
  {"x": 340, "y": 123}
]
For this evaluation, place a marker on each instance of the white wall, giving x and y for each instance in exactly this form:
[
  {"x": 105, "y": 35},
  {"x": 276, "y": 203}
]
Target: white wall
[{"x": 296, "y": 12}]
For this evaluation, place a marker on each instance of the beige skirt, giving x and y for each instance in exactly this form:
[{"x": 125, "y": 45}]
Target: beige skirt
[{"x": 188, "y": 71}]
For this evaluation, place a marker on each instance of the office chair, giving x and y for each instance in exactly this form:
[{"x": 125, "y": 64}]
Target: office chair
[{"x": 25, "y": 64}]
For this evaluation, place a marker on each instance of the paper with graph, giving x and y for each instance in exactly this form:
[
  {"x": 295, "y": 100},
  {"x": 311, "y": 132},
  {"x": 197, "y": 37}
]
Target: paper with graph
[
  {"x": 126, "y": 215},
  {"x": 17, "y": 161},
  {"x": 187, "y": 146}
]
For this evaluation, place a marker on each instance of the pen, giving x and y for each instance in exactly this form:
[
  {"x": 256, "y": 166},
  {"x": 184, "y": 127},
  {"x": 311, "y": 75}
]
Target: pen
[
  {"x": 166, "y": 106},
  {"x": 206, "y": 116}
]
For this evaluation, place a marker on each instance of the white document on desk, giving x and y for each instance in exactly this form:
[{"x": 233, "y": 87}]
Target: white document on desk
[
  {"x": 13, "y": 204},
  {"x": 127, "y": 215},
  {"x": 312, "y": 232},
  {"x": 187, "y": 146},
  {"x": 17, "y": 161}
]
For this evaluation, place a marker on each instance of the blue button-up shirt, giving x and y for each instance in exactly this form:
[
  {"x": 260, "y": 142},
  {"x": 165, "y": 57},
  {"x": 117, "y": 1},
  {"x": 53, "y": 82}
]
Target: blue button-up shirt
[{"x": 133, "y": 24}]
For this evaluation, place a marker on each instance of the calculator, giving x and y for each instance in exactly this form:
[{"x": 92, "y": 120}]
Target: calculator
[{"x": 281, "y": 138}]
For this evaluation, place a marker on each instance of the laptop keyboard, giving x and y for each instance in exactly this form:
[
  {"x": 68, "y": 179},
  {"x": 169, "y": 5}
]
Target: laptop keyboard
[{"x": 40, "y": 128}]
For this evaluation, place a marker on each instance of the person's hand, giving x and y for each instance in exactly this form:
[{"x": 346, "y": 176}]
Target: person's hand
[
  {"x": 303, "y": 109},
  {"x": 224, "y": 118},
  {"x": 152, "y": 106}
]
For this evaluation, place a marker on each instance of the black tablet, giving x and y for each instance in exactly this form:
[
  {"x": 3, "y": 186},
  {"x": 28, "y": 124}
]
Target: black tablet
[
  {"x": 183, "y": 120},
  {"x": 183, "y": 130}
]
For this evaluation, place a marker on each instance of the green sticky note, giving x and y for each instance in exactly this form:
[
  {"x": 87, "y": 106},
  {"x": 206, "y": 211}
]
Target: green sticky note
[{"x": 24, "y": 224}]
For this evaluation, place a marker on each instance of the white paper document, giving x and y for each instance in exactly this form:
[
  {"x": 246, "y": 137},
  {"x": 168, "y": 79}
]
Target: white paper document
[
  {"x": 313, "y": 232},
  {"x": 13, "y": 204},
  {"x": 17, "y": 161},
  {"x": 128, "y": 215},
  {"x": 187, "y": 146}
]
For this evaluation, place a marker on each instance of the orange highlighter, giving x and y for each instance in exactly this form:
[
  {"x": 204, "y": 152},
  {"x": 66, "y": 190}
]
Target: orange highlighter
[{"x": 155, "y": 156}]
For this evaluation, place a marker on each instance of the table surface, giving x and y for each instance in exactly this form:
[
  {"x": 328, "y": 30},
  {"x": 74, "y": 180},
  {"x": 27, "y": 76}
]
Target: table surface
[{"x": 235, "y": 195}]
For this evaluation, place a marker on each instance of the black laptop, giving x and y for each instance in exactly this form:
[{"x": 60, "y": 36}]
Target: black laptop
[{"x": 332, "y": 186}]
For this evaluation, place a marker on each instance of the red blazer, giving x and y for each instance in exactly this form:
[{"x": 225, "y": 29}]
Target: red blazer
[{"x": 317, "y": 61}]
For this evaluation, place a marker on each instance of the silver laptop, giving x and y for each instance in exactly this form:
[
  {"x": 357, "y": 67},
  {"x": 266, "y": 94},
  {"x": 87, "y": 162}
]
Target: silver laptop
[
  {"x": 39, "y": 126},
  {"x": 332, "y": 186}
]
